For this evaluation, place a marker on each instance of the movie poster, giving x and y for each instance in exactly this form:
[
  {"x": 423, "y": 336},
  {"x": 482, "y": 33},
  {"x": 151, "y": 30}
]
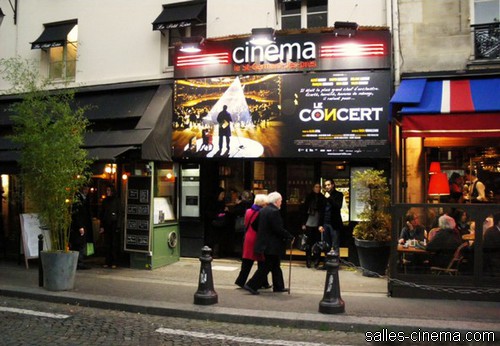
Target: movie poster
[{"x": 320, "y": 115}]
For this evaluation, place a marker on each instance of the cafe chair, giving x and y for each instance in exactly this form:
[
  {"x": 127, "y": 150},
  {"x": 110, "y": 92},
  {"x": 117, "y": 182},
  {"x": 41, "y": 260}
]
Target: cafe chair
[{"x": 452, "y": 268}]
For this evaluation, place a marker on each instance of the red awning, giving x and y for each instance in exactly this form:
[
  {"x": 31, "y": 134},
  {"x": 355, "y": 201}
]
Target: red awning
[{"x": 451, "y": 125}]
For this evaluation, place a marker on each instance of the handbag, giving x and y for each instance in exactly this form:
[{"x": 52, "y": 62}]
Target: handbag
[
  {"x": 302, "y": 245},
  {"x": 220, "y": 220},
  {"x": 89, "y": 250},
  {"x": 320, "y": 246},
  {"x": 239, "y": 224}
]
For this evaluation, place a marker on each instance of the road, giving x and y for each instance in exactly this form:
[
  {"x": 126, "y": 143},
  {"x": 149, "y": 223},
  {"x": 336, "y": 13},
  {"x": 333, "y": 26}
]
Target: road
[{"x": 29, "y": 322}]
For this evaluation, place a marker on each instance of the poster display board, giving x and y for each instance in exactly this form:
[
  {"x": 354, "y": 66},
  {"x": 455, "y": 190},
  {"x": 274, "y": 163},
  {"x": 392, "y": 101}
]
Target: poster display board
[
  {"x": 31, "y": 229},
  {"x": 138, "y": 215},
  {"x": 335, "y": 115}
]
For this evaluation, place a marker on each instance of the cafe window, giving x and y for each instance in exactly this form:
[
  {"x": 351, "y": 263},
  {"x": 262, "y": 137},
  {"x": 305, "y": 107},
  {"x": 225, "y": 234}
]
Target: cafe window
[
  {"x": 165, "y": 197},
  {"x": 304, "y": 14}
]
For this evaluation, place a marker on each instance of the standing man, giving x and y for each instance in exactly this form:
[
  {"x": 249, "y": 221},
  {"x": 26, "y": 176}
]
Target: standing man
[
  {"x": 332, "y": 220},
  {"x": 224, "y": 120},
  {"x": 81, "y": 226},
  {"x": 477, "y": 190},
  {"x": 271, "y": 241}
]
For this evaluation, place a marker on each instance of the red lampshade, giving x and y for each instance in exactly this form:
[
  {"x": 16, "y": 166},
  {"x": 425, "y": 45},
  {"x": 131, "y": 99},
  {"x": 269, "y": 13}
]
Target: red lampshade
[
  {"x": 435, "y": 168},
  {"x": 438, "y": 185}
]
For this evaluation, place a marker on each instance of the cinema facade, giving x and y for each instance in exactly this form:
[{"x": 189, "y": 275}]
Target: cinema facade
[{"x": 305, "y": 107}]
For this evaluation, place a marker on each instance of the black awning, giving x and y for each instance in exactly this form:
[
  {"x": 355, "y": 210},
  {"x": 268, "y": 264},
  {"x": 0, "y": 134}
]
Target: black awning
[
  {"x": 107, "y": 154},
  {"x": 180, "y": 15},
  {"x": 54, "y": 35}
]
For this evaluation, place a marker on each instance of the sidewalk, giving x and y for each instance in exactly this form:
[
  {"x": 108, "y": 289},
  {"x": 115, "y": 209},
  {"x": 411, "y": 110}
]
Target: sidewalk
[{"x": 170, "y": 291}]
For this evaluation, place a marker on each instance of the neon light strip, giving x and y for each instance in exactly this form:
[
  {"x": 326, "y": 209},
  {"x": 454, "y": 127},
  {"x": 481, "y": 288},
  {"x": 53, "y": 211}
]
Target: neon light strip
[
  {"x": 203, "y": 59},
  {"x": 346, "y": 50}
]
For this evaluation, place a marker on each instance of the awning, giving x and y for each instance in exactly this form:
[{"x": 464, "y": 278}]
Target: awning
[
  {"x": 53, "y": 36},
  {"x": 421, "y": 96},
  {"x": 449, "y": 108},
  {"x": 107, "y": 154},
  {"x": 124, "y": 119},
  {"x": 180, "y": 15},
  {"x": 451, "y": 125}
]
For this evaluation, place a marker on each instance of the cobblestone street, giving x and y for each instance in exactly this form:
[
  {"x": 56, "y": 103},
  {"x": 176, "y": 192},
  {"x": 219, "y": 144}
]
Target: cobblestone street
[{"x": 89, "y": 326}]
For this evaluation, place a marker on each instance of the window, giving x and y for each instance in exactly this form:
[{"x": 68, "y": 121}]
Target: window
[
  {"x": 297, "y": 14},
  {"x": 486, "y": 11},
  {"x": 185, "y": 19},
  {"x": 486, "y": 29},
  {"x": 59, "y": 42},
  {"x": 175, "y": 35}
]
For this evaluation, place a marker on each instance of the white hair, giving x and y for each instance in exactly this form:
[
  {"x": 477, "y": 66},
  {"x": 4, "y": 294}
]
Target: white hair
[
  {"x": 260, "y": 199},
  {"x": 273, "y": 197},
  {"x": 446, "y": 222}
]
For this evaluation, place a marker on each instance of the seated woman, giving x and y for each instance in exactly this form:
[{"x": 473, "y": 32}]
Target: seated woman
[
  {"x": 462, "y": 221},
  {"x": 444, "y": 243}
]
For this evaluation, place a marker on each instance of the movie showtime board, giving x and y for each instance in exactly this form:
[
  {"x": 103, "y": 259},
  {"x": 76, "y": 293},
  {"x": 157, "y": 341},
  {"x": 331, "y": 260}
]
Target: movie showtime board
[{"x": 311, "y": 115}]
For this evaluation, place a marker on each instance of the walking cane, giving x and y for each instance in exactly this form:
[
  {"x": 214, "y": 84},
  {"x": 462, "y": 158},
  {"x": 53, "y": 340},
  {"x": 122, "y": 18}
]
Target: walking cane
[{"x": 290, "y": 266}]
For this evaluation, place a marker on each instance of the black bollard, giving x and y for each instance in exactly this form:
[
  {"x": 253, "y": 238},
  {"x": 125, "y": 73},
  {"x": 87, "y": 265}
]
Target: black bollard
[
  {"x": 40, "y": 268},
  {"x": 206, "y": 294},
  {"x": 332, "y": 303}
]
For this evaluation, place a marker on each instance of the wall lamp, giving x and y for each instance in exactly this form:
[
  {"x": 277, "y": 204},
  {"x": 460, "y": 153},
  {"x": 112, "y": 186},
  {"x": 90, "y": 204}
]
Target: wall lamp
[
  {"x": 345, "y": 28},
  {"x": 262, "y": 36},
  {"x": 191, "y": 44}
]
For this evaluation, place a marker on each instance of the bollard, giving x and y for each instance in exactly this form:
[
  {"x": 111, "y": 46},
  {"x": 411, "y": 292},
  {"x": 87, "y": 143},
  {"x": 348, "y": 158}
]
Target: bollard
[
  {"x": 332, "y": 303},
  {"x": 206, "y": 294},
  {"x": 40, "y": 268}
]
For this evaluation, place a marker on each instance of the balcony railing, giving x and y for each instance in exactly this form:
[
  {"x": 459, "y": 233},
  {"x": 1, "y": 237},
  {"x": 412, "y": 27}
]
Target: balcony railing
[{"x": 486, "y": 41}]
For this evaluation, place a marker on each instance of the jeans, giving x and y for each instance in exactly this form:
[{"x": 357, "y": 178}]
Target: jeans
[{"x": 332, "y": 237}]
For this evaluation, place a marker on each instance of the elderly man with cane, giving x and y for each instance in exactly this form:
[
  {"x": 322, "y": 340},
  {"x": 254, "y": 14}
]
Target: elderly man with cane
[{"x": 271, "y": 241}]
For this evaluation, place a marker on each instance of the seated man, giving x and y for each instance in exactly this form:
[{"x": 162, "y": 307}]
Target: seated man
[
  {"x": 444, "y": 243},
  {"x": 491, "y": 247},
  {"x": 412, "y": 229}
]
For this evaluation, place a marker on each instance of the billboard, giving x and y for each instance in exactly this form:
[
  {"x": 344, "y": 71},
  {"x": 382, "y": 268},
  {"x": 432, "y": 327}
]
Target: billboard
[{"x": 316, "y": 115}]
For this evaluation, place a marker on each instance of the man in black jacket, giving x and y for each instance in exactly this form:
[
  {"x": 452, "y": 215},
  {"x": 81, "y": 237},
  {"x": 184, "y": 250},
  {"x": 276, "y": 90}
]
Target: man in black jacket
[
  {"x": 271, "y": 241},
  {"x": 81, "y": 226},
  {"x": 332, "y": 224}
]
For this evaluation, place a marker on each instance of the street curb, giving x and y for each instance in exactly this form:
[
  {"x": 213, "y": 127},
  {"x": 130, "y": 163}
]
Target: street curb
[{"x": 338, "y": 322}]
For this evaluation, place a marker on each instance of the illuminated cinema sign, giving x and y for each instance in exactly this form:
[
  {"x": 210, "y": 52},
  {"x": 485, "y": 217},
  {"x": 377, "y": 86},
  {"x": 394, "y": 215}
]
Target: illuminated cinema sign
[{"x": 289, "y": 53}]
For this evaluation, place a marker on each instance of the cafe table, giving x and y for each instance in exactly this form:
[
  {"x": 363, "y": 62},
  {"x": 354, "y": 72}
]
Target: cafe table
[{"x": 409, "y": 250}]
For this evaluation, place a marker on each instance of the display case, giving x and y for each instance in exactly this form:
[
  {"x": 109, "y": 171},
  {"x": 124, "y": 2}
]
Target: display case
[{"x": 152, "y": 231}]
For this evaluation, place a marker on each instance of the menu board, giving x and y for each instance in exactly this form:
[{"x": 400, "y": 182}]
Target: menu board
[
  {"x": 31, "y": 229},
  {"x": 138, "y": 212}
]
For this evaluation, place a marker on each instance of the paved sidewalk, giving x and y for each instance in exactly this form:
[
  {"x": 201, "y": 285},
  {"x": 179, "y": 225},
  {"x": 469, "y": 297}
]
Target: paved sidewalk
[{"x": 170, "y": 291}]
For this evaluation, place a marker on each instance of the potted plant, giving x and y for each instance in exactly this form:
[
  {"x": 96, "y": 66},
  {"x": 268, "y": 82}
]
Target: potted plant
[
  {"x": 49, "y": 131},
  {"x": 372, "y": 234}
]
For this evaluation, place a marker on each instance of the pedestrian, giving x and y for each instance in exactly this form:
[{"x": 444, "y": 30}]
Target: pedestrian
[
  {"x": 109, "y": 226},
  {"x": 332, "y": 224},
  {"x": 249, "y": 256},
  {"x": 271, "y": 242},
  {"x": 81, "y": 226},
  {"x": 313, "y": 215}
]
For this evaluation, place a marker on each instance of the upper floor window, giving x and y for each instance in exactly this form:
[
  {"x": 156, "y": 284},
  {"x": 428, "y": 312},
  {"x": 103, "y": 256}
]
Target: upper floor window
[
  {"x": 297, "y": 14},
  {"x": 486, "y": 11},
  {"x": 60, "y": 43},
  {"x": 180, "y": 20},
  {"x": 486, "y": 29}
]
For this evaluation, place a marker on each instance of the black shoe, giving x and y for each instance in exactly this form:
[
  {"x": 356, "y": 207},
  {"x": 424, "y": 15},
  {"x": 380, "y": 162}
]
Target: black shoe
[
  {"x": 266, "y": 286},
  {"x": 239, "y": 284},
  {"x": 281, "y": 290},
  {"x": 251, "y": 290},
  {"x": 308, "y": 264}
]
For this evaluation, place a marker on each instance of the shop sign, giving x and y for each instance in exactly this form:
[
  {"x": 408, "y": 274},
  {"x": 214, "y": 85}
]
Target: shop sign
[
  {"x": 328, "y": 114},
  {"x": 309, "y": 52}
]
